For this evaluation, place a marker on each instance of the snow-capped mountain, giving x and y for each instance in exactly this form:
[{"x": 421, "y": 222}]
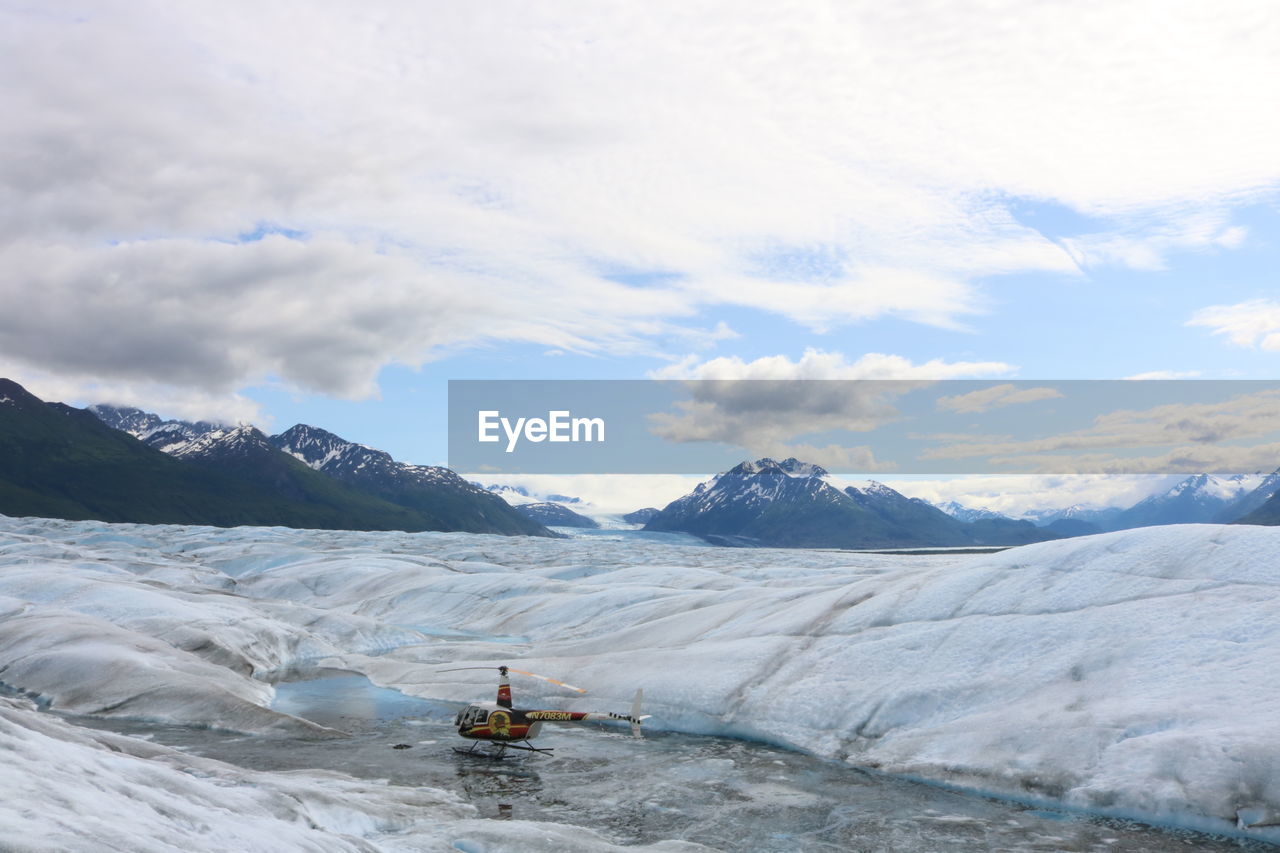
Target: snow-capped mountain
[
  {"x": 1195, "y": 499},
  {"x": 797, "y": 504},
  {"x": 151, "y": 428},
  {"x": 242, "y": 442},
  {"x": 513, "y": 495},
  {"x": 641, "y": 516},
  {"x": 194, "y": 441},
  {"x": 246, "y": 453},
  {"x": 965, "y": 513},
  {"x": 344, "y": 483},
  {"x": 1075, "y": 520},
  {"x": 1262, "y": 495},
  {"x": 917, "y": 514},
  {"x": 555, "y": 515},
  {"x": 1198, "y": 498},
  {"x": 58, "y": 461},
  {"x": 451, "y": 501},
  {"x": 521, "y": 495}
]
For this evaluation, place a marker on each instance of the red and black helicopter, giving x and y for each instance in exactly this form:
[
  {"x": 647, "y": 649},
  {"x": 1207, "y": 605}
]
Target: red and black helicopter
[{"x": 513, "y": 728}]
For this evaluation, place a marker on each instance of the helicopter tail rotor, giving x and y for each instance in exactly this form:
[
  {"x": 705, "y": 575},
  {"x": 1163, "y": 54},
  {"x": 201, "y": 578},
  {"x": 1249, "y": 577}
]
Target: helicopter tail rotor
[
  {"x": 635, "y": 713},
  {"x": 635, "y": 718}
]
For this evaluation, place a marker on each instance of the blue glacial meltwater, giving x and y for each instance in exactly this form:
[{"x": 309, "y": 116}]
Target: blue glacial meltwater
[{"x": 727, "y": 794}]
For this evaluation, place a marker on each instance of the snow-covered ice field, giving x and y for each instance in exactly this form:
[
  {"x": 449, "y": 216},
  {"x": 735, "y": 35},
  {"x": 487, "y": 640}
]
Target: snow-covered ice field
[{"x": 1129, "y": 674}]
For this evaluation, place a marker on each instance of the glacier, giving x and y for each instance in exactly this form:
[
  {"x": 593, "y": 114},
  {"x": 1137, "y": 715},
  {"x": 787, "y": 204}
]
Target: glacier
[
  {"x": 1127, "y": 673},
  {"x": 66, "y": 787}
]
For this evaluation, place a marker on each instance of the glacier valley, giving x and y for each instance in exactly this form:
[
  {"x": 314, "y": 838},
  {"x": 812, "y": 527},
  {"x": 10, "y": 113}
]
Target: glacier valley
[{"x": 195, "y": 688}]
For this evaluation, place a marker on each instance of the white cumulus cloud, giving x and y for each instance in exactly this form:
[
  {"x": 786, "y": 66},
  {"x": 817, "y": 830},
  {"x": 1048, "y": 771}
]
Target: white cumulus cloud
[
  {"x": 764, "y": 406},
  {"x": 443, "y": 175}
]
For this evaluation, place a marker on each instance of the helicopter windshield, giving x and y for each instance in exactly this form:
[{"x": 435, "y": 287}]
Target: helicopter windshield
[{"x": 472, "y": 716}]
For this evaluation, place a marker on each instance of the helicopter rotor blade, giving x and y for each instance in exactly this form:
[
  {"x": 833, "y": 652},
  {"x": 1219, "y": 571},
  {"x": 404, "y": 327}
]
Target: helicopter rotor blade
[{"x": 521, "y": 672}]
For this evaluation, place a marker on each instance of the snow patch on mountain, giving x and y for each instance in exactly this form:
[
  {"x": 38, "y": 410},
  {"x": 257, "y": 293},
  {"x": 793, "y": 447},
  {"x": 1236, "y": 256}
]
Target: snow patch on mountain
[
  {"x": 1217, "y": 488},
  {"x": 514, "y": 495},
  {"x": 967, "y": 514},
  {"x": 221, "y": 442},
  {"x": 873, "y": 488},
  {"x": 151, "y": 428}
]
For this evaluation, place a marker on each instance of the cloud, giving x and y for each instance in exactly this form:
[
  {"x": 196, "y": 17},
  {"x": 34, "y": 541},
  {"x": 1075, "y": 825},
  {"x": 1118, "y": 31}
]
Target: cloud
[
  {"x": 454, "y": 176},
  {"x": 1166, "y": 374},
  {"x": 1195, "y": 433},
  {"x": 1188, "y": 459},
  {"x": 1143, "y": 245},
  {"x": 323, "y": 314},
  {"x": 819, "y": 364},
  {"x": 1009, "y": 494},
  {"x": 763, "y": 405},
  {"x": 1252, "y": 324},
  {"x": 605, "y": 493},
  {"x": 1016, "y": 494},
  {"x": 834, "y": 457},
  {"x": 995, "y": 397},
  {"x": 184, "y": 403}
]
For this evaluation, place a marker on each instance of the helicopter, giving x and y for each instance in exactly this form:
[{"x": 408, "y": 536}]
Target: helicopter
[{"x": 513, "y": 728}]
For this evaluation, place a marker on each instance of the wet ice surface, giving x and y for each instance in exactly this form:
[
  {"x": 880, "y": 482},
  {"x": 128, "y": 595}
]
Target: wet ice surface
[
  {"x": 1124, "y": 673},
  {"x": 730, "y": 794}
]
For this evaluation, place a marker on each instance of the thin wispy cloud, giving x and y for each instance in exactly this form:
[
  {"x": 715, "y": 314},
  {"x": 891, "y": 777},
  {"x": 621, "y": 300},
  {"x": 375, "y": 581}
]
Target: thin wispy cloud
[
  {"x": 820, "y": 364},
  {"x": 1254, "y": 324},
  {"x": 1166, "y": 374},
  {"x": 1016, "y": 494},
  {"x": 995, "y": 397}
]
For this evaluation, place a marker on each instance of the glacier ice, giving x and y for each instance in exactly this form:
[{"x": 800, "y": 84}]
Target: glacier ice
[
  {"x": 1127, "y": 673},
  {"x": 67, "y": 787}
]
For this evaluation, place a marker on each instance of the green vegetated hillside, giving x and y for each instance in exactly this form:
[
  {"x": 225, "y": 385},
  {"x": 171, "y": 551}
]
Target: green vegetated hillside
[{"x": 58, "y": 461}]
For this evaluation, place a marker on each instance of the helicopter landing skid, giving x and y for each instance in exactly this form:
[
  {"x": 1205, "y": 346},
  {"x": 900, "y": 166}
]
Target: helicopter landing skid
[{"x": 502, "y": 749}]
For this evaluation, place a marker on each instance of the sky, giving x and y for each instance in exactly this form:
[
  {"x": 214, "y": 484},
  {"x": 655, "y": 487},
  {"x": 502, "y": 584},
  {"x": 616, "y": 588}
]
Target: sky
[{"x": 323, "y": 212}]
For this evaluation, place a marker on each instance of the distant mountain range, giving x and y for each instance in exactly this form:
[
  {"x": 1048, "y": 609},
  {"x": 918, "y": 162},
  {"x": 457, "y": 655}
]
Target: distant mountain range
[
  {"x": 795, "y": 504},
  {"x": 437, "y": 493},
  {"x": 516, "y": 495},
  {"x": 1259, "y": 505},
  {"x": 511, "y": 494},
  {"x": 1200, "y": 498},
  {"x": 551, "y": 509},
  {"x": 964, "y": 513},
  {"x": 123, "y": 464},
  {"x": 1196, "y": 499}
]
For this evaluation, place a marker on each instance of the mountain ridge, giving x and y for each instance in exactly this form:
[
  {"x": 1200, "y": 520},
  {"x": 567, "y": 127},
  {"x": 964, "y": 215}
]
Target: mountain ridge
[
  {"x": 794, "y": 504},
  {"x": 127, "y": 465}
]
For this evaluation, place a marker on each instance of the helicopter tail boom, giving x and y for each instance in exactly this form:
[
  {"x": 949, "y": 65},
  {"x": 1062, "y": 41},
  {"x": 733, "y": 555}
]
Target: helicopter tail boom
[{"x": 635, "y": 718}]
